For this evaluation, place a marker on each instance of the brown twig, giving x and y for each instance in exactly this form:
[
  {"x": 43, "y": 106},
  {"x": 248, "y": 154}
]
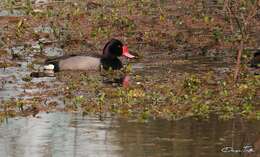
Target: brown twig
[{"x": 242, "y": 26}]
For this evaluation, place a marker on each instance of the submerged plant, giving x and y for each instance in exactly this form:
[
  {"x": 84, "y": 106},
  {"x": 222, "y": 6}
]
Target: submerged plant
[
  {"x": 201, "y": 110},
  {"x": 78, "y": 101},
  {"x": 191, "y": 83}
]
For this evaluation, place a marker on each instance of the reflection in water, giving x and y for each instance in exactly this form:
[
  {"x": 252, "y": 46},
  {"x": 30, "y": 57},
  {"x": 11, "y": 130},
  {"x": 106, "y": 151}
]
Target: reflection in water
[
  {"x": 70, "y": 135},
  {"x": 117, "y": 81},
  {"x": 46, "y": 73},
  {"x": 56, "y": 135}
]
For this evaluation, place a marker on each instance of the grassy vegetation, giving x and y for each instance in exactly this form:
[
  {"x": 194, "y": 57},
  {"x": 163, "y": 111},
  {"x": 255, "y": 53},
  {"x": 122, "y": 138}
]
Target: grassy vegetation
[{"x": 173, "y": 28}]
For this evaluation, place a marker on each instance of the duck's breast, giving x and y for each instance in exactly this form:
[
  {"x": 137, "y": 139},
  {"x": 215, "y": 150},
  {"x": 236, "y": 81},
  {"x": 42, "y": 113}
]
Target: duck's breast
[{"x": 80, "y": 63}]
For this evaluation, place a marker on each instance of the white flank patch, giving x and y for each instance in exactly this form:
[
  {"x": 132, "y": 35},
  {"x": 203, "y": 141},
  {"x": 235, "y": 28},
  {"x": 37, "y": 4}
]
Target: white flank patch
[
  {"x": 48, "y": 67},
  {"x": 39, "y": 2}
]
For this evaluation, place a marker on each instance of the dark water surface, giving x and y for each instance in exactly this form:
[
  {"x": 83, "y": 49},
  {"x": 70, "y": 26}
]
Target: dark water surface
[{"x": 71, "y": 135}]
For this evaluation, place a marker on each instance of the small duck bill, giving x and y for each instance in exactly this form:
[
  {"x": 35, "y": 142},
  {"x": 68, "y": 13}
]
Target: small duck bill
[{"x": 126, "y": 53}]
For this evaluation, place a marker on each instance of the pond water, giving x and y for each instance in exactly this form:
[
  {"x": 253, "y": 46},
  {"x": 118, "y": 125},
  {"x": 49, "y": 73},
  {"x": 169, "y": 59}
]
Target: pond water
[{"x": 72, "y": 135}]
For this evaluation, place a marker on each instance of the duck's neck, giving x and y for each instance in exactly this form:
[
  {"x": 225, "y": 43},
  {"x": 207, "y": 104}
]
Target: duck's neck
[
  {"x": 108, "y": 56},
  {"x": 113, "y": 63}
]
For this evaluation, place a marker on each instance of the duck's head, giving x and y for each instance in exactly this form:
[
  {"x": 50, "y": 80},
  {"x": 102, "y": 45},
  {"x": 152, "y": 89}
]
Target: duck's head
[{"x": 115, "y": 48}]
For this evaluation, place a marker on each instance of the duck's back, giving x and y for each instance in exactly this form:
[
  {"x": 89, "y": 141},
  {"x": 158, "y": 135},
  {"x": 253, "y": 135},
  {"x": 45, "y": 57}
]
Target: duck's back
[{"x": 80, "y": 63}]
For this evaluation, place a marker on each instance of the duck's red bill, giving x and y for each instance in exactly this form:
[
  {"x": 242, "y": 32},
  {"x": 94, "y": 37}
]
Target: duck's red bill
[{"x": 126, "y": 52}]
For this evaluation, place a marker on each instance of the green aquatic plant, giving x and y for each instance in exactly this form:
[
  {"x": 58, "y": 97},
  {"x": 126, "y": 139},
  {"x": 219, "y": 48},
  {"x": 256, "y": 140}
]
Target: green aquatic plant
[
  {"x": 78, "y": 101},
  {"x": 101, "y": 99},
  {"x": 228, "y": 110},
  {"x": 144, "y": 115},
  {"x": 9, "y": 4},
  {"x": 208, "y": 19},
  {"x": 258, "y": 115},
  {"x": 247, "y": 108},
  {"x": 28, "y": 7},
  {"x": 20, "y": 104},
  {"x": 201, "y": 110},
  {"x": 20, "y": 28},
  {"x": 100, "y": 102},
  {"x": 100, "y": 32},
  {"x": 123, "y": 22},
  {"x": 27, "y": 78},
  {"x": 192, "y": 83},
  {"x": 217, "y": 34}
]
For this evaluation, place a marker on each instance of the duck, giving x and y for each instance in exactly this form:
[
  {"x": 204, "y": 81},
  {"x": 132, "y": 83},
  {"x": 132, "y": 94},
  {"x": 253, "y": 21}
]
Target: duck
[
  {"x": 108, "y": 60},
  {"x": 255, "y": 62}
]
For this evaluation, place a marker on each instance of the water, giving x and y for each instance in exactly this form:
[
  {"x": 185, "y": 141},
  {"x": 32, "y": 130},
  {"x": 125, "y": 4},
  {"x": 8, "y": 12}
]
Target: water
[
  {"x": 11, "y": 13},
  {"x": 71, "y": 135},
  {"x": 11, "y": 78}
]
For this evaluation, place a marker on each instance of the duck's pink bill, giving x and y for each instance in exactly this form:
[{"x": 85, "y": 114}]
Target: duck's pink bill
[{"x": 126, "y": 52}]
